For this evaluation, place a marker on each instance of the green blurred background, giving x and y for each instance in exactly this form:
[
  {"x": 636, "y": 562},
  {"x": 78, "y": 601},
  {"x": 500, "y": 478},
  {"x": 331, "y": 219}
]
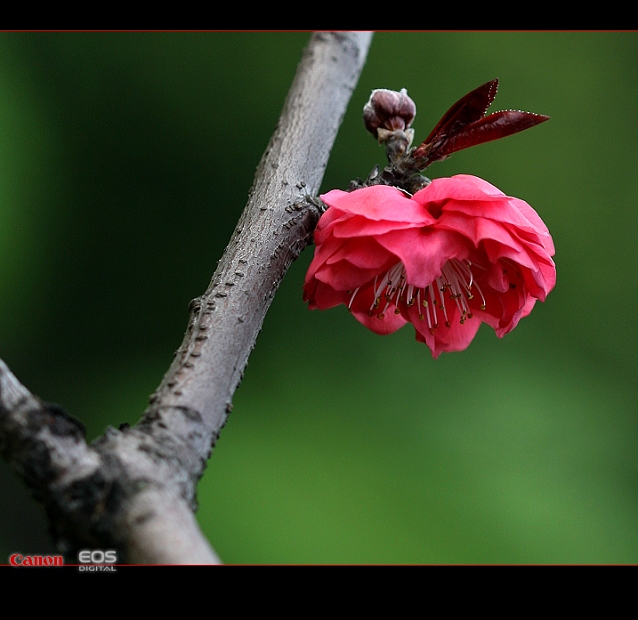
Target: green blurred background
[{"x": 125, "y": 162}]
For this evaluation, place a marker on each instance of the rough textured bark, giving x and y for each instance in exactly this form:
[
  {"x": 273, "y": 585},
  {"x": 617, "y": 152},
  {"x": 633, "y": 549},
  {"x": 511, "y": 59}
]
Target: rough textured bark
[{"x": 133, "y": 489}]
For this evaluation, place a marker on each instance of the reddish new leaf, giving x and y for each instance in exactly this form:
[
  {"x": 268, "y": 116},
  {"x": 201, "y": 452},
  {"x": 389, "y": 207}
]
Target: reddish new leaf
[
  {"x": 464, "y": 125},
  {"x": 492, "y": 127},
  {"x": 468, "y": 109}
]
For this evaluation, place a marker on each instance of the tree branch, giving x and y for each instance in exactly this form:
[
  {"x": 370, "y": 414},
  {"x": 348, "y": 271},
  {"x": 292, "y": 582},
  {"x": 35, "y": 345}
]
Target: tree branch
[{"x": 133, "y": 489}]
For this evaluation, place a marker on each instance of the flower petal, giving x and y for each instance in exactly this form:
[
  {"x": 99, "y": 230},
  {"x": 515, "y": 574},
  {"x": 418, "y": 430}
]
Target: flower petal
[
  {"x": 383, "y": 320},
  {"x": 379, "y": 202},
  {"x": 424, "y": 251},
  {"x": 456, "y": 337},
  {"x": 460, "y": 187}
]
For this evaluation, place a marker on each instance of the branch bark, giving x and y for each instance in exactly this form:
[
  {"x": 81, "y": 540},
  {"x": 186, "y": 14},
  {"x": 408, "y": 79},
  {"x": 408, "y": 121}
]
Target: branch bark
[{"x": 133, "y": 489}]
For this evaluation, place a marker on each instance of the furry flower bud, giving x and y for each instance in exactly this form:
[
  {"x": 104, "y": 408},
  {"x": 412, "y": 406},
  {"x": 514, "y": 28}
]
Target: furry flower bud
[{"x": 389, "y": 110}]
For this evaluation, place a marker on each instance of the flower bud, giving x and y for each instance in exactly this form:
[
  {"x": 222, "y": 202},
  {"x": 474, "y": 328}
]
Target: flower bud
[{"x": 388, "y": 109}]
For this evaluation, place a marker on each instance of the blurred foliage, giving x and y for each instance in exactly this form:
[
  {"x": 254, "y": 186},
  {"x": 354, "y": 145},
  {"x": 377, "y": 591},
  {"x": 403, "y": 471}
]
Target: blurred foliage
[{"x": 125, "y": 161}]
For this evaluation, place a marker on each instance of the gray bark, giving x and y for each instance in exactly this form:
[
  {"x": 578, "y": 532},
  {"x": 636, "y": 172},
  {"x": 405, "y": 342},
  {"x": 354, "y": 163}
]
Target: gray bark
[{"x": 133, "y": 489}]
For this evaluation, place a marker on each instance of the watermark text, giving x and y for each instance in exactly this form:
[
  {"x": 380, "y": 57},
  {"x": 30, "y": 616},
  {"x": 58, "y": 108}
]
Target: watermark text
[
  {"x": 97, "y": 560},
  {"x": 17, "y": 559}
]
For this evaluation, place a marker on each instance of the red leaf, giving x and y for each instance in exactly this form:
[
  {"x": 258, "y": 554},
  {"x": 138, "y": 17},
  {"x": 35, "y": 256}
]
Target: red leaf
[
  {"x": 466, "y": 110},
  {"x": 492, "y": 127},
  {"x": 464, "y": 125}
]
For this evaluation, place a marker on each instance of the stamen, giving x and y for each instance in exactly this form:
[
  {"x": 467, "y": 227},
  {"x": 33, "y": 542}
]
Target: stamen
[
  {"x": 442, "y": 290},
  {"x": 435, "y": 320},
  {"x": 382, "y": 313},
  {"x": 388, "y": 291},
  {"x": 458, "y": 274},
  {"x": 483, "y": 304},
  {"x": 356, "y": 290},
  {"x": 513, "y": 265},
  {"x": 456, "y": 279}
]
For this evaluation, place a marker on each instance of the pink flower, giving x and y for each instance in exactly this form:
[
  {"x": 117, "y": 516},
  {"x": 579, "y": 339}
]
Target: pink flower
[{"x": 457, "y": 253}]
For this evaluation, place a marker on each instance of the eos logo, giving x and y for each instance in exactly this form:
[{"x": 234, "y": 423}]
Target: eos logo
[{"x": 96, "y": 560}]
